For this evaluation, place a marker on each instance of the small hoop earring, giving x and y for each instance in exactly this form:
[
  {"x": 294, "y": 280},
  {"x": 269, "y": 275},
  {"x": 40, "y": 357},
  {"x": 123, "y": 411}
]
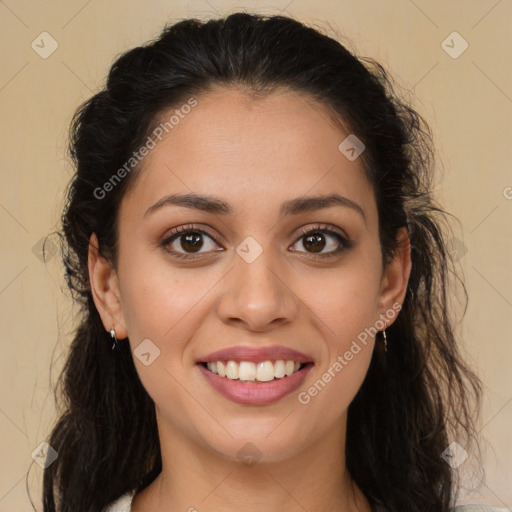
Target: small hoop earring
[
  {"x": 385, "y": 340},
  {"x": 113, "y": 336}
]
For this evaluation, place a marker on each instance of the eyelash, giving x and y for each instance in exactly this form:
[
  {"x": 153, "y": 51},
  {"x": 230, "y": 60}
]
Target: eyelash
[{"x": 185, "y": 230}]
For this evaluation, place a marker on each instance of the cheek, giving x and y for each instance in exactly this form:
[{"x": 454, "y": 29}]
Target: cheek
[
  {"x": 156, "y": 296},
  {"x": 344, "y": 312},
  {"x": 165, "y": 306},
  {"x": 345, "y": 308},
  {"x": 345, "y": 299}
]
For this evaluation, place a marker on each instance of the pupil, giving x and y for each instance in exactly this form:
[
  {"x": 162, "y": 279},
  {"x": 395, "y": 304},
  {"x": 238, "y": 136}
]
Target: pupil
[
  {"x": 316, "y": 240},
  {"x": 193, "y": 240}
]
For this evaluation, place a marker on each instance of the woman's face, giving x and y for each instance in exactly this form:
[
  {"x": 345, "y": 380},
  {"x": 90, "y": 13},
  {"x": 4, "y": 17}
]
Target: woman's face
[{"x": 255, "y": 279}]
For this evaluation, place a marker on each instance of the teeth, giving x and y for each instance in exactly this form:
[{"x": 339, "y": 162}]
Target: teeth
[
  {"x": 264, "y": 371},
  {"x": 247, "y": 371},
  {"x": 232, "y": 370},
  {"x": 279, "y": 370}
]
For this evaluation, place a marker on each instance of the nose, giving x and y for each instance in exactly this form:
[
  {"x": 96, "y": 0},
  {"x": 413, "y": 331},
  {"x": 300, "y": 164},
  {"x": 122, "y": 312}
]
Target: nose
[{"x": 257, "y": 295}]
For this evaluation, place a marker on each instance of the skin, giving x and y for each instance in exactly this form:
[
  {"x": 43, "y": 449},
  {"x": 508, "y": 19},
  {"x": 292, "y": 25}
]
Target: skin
[{"x": 254, "y": 154}]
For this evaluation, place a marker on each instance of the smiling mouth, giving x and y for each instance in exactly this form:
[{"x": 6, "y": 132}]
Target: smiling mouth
[{"x": 247, "y": 371}]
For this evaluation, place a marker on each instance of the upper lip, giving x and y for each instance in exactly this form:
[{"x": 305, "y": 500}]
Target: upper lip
[{"x": 256, "y": 354}]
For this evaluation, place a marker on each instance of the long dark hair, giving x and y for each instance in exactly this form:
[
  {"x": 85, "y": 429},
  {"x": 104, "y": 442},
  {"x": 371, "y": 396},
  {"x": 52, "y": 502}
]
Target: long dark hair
[{"x": 413, "y": 402}]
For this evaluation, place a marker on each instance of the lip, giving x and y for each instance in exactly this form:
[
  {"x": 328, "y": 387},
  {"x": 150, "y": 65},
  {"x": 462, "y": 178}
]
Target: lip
[
  {"x": 256, "y": 354},
  {"x": 255, "y": 393}
]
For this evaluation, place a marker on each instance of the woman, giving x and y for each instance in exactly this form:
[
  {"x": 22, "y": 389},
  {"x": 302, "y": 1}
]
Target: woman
[{"x": 264, "y": 281}]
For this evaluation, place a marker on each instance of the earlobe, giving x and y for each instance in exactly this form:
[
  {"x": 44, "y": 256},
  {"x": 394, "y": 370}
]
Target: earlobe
[
  {"x": 396, "y": 275},
  {"x": 105, "y": 290}
]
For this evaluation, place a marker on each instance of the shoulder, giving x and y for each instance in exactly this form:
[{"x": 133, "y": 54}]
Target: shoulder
[
  {"x": 122, "y": 504},
  {"x": 479, "y": 508}
]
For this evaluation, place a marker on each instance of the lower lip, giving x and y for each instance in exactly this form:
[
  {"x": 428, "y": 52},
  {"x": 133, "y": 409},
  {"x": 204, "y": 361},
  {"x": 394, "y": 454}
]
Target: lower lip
[{"x": 256, "y": 393}]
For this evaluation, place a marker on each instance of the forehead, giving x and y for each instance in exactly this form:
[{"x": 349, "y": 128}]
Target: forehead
[{"x": 251, "y": 151}]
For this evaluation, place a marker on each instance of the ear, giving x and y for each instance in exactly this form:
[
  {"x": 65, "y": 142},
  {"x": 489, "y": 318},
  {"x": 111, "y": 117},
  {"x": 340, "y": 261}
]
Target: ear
[
  {"x": 105, "y": 290},
  {"x": 396, "y": 275}
]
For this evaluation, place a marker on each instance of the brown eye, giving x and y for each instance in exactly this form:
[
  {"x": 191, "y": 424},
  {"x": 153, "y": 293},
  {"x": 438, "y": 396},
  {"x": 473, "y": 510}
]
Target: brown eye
[
  {"x": 315, "y": 240},
  {"x": 191, "y": 242},
  {"x": 185, "y": 242}
]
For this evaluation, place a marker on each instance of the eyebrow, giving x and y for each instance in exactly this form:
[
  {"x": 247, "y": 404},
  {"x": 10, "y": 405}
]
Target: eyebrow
[{"x": 210, "y": 204}]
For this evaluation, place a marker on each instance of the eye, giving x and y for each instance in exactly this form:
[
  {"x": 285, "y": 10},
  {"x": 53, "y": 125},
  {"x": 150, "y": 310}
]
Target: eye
[
  {"x": 190, "y": 240},
  {"x": 186, "y": 242},
  {"x": 318, "y": 238}
]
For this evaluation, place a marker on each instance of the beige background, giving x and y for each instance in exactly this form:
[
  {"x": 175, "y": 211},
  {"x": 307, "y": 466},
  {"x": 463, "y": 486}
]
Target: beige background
[{"x": 467, "y": 100}]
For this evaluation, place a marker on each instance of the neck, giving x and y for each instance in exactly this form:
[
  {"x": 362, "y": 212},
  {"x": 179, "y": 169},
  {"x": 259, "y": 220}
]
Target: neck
[{"x": 197, "y": 479}]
